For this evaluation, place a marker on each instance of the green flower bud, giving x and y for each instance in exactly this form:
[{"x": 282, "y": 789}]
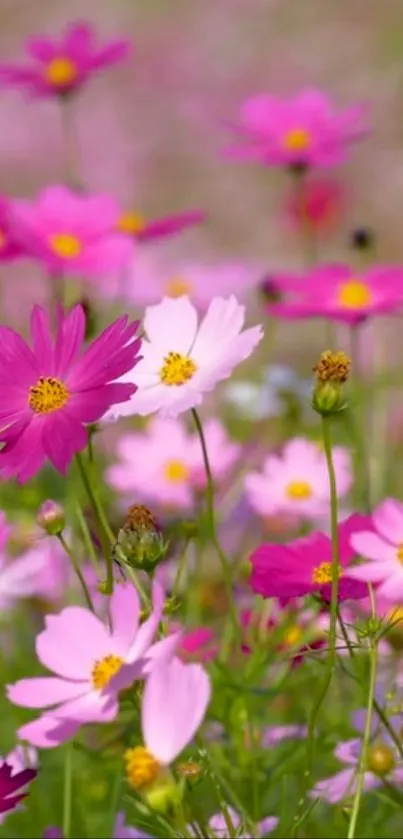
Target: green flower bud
[
  {"x": 51, "y": 518},
  {"x": 332, "y": 373},
  {"x": 140, "y": 543}
]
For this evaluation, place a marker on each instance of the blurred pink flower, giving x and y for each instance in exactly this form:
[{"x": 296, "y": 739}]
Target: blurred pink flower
[
  {"x": 71, "y": 233},
  {"x": 382, "y": 545},
  {"x": 183, "y": 359},
  {"x": 278, "y": 733},
  {"x": 344, "y": 783},
  {"x": 136, "y": 225},
  {"x": 9, "y": 245},
  {"x": 19, "y": 760},
  {"x": 338, "y": 292},
  {"x": 320, "y": 205},
  {"x": 218, "y": 824},
  {"x": 57, "y": 68},
  {"x": 50, "y": 392},
  {"x": 304, "y": 566},
  {"x": 151, "y": 278},
  {"x": 306, "y": 130},
  {"x": 86, "y": 654},
  {"x": 198, "y": 644},
  {"x": 164, "y": 463},
  {"x": 13, "y": 783},
  {"x": 54, "y": 575},
  {"x": 297, "y": 481},
  {"x": 19, "y": 576}
]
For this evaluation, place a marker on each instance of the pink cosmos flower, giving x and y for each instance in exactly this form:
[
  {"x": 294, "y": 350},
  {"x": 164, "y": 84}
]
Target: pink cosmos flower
[
  {"x": 164, "y": 463},
  {"x": 297, "y": 481},
  {"x": 59, "y": 67},
  {"x": 54, "y": 573},
  {"x": 136, "y": 225},
  {"x": 338, "y": 292},
  {"x": 304, "y": 566},
  {"x": 305, "y": 130},
  {"x": 382, "y": 544},
  {"x": 182, "y": 359},
  {"x": 278, "y": 733},
  {"x": 72, "y": 234},
  {"x": 48, "y": 393},
  {"x": 9, "y": 245},
  {"x": 19, "y": 576},
  {"x": 174, "y": 703},
  {"x": 218, "y": 824},
  {"x": 14, "y": 778},
  {"x": 150, "y": 278},
  {"x": 87, "y": 656}
]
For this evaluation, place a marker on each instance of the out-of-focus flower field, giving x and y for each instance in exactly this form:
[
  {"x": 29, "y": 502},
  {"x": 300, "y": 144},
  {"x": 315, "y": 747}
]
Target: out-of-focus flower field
[{"x": 201, "y": 510}]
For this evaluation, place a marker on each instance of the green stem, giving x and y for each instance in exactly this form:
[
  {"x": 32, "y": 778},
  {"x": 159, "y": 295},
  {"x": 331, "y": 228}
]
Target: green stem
[
  {"x": 77, "y": 569},
  {"x": 180, "y": 569},
  {"x": 213, "y": 527},
  {"x": 89, "y": 545},
  {"x": 105, "y": 533},
  {"x": 332, "y": 654},
  {"x": 67, "y": 790},
  {"x": 373, "y": 654}
]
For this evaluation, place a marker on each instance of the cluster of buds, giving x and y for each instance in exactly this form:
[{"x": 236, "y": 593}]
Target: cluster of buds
[
  {"x": 140, "y": 543},
  {"x": 332, "y": 372}
]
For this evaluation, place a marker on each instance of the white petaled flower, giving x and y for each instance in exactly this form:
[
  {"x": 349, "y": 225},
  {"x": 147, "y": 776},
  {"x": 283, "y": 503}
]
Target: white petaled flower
[{"x": 182, "y": 358}]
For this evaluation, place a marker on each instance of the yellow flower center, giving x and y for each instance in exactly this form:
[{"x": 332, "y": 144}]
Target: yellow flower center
[
  {"x": 297, "y": 140},
  {"x": 104, "y": 669},
  {"x": 141, "y": 767},
  {"x": 61, "y": 71},
  {"x": 47, "y": 395},
  {"x": 3, "y": 239},
  {"x": 299, "y": 490},
  {"x": 399, "y": 553},
  {"x": 395, "y": 615},
  {"x": 177, "y": 287},
  {"x": 177, "y": 369},
  {"x": 292, "y": 635},
  {"x": 176, "y": 471},
  {"x": 65, "y": 245},
  {"x": 354, "y": 294},
  {"x": 323, "y": 573},
  {"x": 131, "y": 223},
  {"x": 381, "y": 759}
]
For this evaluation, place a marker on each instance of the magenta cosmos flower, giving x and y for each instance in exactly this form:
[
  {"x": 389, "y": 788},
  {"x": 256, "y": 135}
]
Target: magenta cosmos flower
[
  {"x": 174, "y": 704},
  {"x": 382, "y": 545},
  {"x": 58, "y": 67},
  {"x": 296, "y": 482},
  {"x": 136, "y": 225},
  {"x": 338, "y": 292},
  {"x": 303, "y": 131},
  {"x": 86, "y": 655},
  {"x": 73, "y": 234},
  {"x": 184, "y": 359},
  {"x": 50, "y": 392},
  {"x": 304, "y": 566},
  {"x": 15, "y": 776},
  {"x": 9, "y": 246}
]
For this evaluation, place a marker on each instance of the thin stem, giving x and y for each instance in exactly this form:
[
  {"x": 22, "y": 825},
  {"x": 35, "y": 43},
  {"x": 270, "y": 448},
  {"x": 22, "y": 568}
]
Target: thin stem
[
  {"x": 212, "y": 524},
  {"x": 332, "y": 651},
  {"x": 180, "y": 569},
  {"x": 373, "y": 659},
  {"x": 77, "y": 569},
  {"x": 87, "y": 538},
  {"x": 104, "y": 531},
  {"x": 67, "y": 790}
]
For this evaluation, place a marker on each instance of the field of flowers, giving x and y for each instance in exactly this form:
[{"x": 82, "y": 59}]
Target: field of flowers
[{"x": 201, "y": 509}]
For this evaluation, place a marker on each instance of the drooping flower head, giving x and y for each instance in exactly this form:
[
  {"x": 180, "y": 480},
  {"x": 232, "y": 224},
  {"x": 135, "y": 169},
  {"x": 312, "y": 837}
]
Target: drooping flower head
[
  {"x": 92, "y": 663},
  {"x": 304, "y": 566},
  {"x": 50, "y": 392},
  {"x": 59, "y": 67},
  {"x": 339, "y": 292},
  {"x": 303, "y": 131},
  {"x": 182, "y": 359},
  {"x": 72, "y": 234},
  {"x": 297, "y": 482},
  {"x": 382, "y": 544}
]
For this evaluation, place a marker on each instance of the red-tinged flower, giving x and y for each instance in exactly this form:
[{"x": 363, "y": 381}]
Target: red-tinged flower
[
  {"x": 59, "y": 67},
  {"x": 319, "y": 205},
  {"x": 304, "y": 566},
  {"x": 9, "y": 245},
  {"x": 12, "y": 786},
  {"x": 198, "y": 645},
  {"x": 338, "y": 292},
  {"x": 136, "y": 225},
  {"x": 48, "y": 394}
]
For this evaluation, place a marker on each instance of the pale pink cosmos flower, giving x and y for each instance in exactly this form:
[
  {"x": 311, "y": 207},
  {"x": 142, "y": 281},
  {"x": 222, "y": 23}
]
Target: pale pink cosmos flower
[
  {"x": 339, "y": 292},
  {"x": 150, "y": 278},
  {"x": 278, "y": 733},
  {"x": 184, "y": 359},
  {"x": 19, "y": 576},
  {"x": 297, "y": 481},
  {"x": 219, "y": 825},
  {"x": 164, "y": 463},
  {"x": 59, "y": 67},
  {"x": 302, "y": 131},
  {"x": 383, "y": 547},
  {"x": 54, "y": 575},
  {"x": 87, "y": 656},
  {"x": 48, "y": 394},
  {"x": 72, "y": 233},
  {"x": 344, "y": 783},
  {"x": 174, "y": 703}
]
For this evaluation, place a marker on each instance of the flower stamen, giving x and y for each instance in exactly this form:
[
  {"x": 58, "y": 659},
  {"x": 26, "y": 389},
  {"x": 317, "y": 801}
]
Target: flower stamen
[
  {"x": 297, "y": 139},
  {"x": 141, "y": 767},
  {"x": 177, "y": 287},
  {"x": 65, "y": 245},
  {"x": 104, "y": 669},
  {"x": 354, "y": 294},
  {"x": 323, "y": 573},
  {"x": 48, "y": 395},
  {"x": 177, "y": 369},
  {"x": 299, "y": 490},
  {"x": 176, "y": 471},
  {"x": 61, "y": 71}
]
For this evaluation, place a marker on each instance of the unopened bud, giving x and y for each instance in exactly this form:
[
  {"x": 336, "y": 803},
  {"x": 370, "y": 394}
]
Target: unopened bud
[
  {"x": 140, "y": 543},
  {"x": 381, "y": 759},
  {"x": 332, "y": 371},
  {"x": 51, "y": 518}
]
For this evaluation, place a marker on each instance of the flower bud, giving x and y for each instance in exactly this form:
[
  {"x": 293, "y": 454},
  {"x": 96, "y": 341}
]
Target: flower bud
[
  {"x": 381, "y": 759},
  {"x": 51, "y": 518},
  {"x": 332, "y": 372},
  {"x": 140, "y": 543}
]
